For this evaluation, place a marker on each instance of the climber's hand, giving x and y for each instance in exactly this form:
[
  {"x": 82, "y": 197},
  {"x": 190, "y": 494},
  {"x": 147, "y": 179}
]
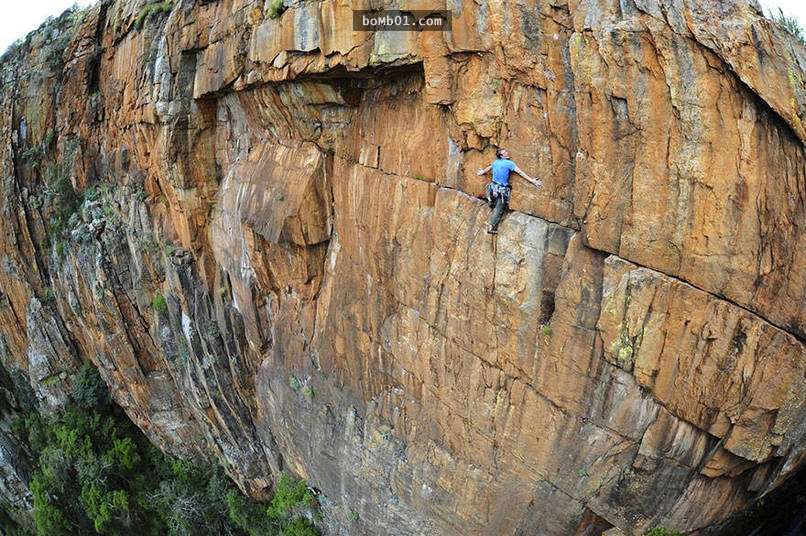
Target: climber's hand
[
  {"x": 537, "y": 182},
  {"x": 480, "y": 172}
]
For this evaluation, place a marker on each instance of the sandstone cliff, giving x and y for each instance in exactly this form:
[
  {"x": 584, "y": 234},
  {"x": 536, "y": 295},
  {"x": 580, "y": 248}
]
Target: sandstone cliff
[{"x": 268, "y": 236}]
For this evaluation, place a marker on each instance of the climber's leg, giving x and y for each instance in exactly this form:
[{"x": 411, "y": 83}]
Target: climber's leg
[{"x": 498, "y": 213}]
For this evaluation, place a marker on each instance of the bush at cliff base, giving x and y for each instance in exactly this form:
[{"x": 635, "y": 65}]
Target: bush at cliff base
[{"x": 96, "y": 473}]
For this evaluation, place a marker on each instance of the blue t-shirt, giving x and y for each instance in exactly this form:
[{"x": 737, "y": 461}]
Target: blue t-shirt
[{"x": 501, "y": 169}]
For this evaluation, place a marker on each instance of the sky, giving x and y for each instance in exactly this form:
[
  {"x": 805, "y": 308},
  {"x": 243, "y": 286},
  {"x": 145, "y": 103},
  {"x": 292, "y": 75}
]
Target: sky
[
  {"x": 793, "y": 8},
  {"x": 27, "y": 15},
  {"x": 22, "y": 16}
]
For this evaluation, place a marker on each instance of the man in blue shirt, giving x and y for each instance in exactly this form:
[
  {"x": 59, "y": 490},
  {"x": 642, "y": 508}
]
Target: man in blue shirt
[{"x": 498, "y": 191}]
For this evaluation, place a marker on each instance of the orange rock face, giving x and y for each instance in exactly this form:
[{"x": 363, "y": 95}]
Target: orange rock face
[{"x": 627, "y": 352}]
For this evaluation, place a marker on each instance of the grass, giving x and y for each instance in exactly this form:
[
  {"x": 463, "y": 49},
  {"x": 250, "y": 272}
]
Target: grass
[
  {"x": 545, "y": 329},
  {"x": 150, "y": 9}
]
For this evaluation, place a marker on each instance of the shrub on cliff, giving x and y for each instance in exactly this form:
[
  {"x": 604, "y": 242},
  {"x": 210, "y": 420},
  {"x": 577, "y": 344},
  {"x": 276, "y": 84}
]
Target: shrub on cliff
[
  {"x": 789, "y": 24},
  {"x": 150, "y": 9},
  {"x": 159, "y": 304},
  {"x": 62, "y": 196},
  {"x": 276, "y": 8},
  {"x": 282, "y": 515},
  {"x": 96, "y": 473},
  {"x": 89, "y": 389}
]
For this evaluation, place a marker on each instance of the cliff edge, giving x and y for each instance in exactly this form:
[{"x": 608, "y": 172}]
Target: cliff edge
[{"x": 267, "y": 233}]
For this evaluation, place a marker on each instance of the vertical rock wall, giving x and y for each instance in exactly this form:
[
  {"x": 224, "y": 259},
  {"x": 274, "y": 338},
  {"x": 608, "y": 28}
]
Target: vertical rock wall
[{"x": 277, "y": 259}]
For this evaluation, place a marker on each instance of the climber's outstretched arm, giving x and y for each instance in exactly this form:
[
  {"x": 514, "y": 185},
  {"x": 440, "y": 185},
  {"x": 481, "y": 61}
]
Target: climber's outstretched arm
[
  {"x": 485, "y": 170},
  {"x": 536, "y": 182}
]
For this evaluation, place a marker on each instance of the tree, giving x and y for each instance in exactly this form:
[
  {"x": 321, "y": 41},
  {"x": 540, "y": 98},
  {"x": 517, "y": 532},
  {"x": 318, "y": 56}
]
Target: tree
[{"x": 96, "y": 473}]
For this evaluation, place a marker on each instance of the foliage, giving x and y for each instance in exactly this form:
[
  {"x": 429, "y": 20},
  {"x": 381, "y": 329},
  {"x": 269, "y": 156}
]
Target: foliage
[
  {"x": 276, "y": 8},
  {"x": 62, "y": 196},
  {"x": 14, "y": 521},
  {"x": 294, "y": 383},
  {"x": 96, "y": 473},
  {"x": 149, "y": 9},
  {"x": 663, "y": 531},
  {"x": 789, "y": 24},
  {"x": 47, "y": 141},
  {"x": 159, "y": 304},
  {"x": 288, "y": 495},
  {"x": 89, "y": 390},
  {"x": 54, "y": 50}
]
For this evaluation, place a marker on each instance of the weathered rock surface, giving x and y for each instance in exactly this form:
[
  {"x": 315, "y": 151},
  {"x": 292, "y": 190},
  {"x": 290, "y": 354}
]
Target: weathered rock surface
[{"x": 627, "y": 352}]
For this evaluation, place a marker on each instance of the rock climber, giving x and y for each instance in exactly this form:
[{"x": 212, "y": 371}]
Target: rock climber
[{"x": 499, "y": 190}]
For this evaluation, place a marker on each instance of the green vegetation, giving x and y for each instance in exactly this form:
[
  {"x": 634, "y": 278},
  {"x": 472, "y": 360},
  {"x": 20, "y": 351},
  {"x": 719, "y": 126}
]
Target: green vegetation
[
  {"x": 545, "y": 330},
  {"x": 47, "y": 141},
  {"x": 96, "y": 473},
  {"x": 159, "y": 304},
  {"x": 663, "y": 531},
  {"x": 276, "y": 8},
  {"x": 150, "y": 9},
  {"x": 35, "y": 153},
  {"x": 73, "y": 217},
  {"x": 62, "y": 197},
  {"x": 624, "y": 347},
  {"x": 54, "y": 51},
  {"x": 48, "y": 295},
  {"x": 790, "y": 24},
  {"x": 59, "y": 196},
  {"x": 294, "y": 383},
  {"x": 89, "y": 390},
  {"x": 582, "y": 472}
]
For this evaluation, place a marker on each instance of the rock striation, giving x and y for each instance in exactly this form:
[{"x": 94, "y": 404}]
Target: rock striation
[{"x": 268, "y": 235}]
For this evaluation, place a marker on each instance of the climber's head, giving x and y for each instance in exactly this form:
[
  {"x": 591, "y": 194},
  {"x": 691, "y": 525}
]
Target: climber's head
[{"x": 501, "y": 153}]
